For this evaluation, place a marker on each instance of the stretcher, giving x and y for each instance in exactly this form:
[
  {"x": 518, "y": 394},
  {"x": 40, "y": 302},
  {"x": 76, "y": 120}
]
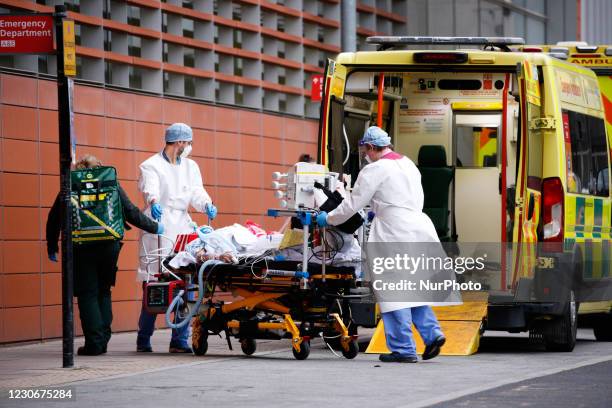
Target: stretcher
[{"x": 296, "y": 300}]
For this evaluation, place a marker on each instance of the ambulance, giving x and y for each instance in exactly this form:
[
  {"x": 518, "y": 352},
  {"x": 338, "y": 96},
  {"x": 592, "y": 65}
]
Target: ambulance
[
  {"x": 597, "y": 315},
  {"x": 515, "y": 164}
]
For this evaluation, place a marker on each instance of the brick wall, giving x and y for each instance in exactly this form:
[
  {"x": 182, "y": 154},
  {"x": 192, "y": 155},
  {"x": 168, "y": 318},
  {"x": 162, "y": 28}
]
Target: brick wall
[{"x": 237, "y": 151}]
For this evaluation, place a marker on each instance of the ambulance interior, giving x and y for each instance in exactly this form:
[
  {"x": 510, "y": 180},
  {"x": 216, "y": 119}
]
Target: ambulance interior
[{"x": 450, "y": 125}]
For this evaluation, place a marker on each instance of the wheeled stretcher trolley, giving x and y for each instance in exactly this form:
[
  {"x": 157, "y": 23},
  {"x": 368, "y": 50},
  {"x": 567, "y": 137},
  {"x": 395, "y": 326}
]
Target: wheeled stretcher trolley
[{"x": 296, "y": 300}]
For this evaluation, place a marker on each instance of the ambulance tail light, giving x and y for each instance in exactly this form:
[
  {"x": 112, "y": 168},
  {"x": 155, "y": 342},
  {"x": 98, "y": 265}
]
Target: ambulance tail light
[
  {"x": 552, "y": 210},
  {"x": 440, "y": 57}
]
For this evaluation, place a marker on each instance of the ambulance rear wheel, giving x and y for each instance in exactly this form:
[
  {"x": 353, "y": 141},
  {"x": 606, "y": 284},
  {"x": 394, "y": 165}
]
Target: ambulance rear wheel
[
  {"x": 352, "y": 351},
  {"x": 561, "y": 334},
  {"x": 304, "y": 351},
  {"x": 248, "y": 346}
]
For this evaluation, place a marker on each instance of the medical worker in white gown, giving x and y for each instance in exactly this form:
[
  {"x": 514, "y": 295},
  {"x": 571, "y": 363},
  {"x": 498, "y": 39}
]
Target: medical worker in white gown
[
  {"x": 391, "y": 184},
  {"x": 170, "y": 183}
]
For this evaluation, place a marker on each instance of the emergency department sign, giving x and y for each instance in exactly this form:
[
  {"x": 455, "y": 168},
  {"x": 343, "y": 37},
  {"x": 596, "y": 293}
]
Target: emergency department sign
[{"x": 26, "y": 34}]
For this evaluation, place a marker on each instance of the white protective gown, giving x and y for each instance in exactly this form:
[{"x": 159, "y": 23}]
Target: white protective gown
[
  {"x": 175, "y": 187},
  {"x": 392, "y": 186}
]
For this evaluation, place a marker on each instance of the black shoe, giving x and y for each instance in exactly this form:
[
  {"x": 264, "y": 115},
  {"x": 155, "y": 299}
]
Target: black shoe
[
  {"x": 180, "y": 350},
  {"x": 84, "y": 351},
  {"x": 144, "y": 349},
  {"x": 433, "y": 349},
  {"x": 397, "y": 358}
]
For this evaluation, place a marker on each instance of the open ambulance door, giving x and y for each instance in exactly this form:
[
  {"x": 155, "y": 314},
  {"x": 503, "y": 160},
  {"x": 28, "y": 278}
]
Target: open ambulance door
[
  {"x": 331, "y": 137},
  {"x": 529, "y": 178}
]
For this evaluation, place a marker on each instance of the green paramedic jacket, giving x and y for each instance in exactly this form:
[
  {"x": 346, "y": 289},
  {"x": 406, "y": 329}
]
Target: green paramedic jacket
[{"x": 131, "y": 215}]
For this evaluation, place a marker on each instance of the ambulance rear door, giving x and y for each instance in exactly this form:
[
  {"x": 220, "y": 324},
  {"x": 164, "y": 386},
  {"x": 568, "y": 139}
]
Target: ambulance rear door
[
  {"x": 331, "y": 150},
  {"x": 530, "y": 173}
]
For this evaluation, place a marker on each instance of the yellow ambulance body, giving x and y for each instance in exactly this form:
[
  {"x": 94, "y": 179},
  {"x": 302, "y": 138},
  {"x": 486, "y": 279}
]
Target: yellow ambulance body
[{"x": 523, "y": 136}]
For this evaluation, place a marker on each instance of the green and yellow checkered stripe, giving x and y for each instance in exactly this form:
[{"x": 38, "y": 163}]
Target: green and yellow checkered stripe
[{"x": 587, "y": 224}]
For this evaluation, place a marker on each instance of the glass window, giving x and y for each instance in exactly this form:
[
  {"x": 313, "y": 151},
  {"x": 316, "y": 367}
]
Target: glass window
[
  {"x": 587, "y": 171},
  {"x": 189, "y": 86},
  {"x": 134, "y": 46},
  {"x": 518, "y": 22},
  {"x": 536, "y": 5},
  {"x": 108, "y": 72},
  {"x": 43, "y": 64},
  {"x": 188, "y": 57},
  {"x": 239, "y": 95},
  {"x": 476, "y": 146},
  {"x": 74, "y": 5},
  {"x": 237, "y": 39},
  {"x": 238, "y": 66},
  {"x": 107, "y": 40},
  {"x": 166, "y": 82},
  {"x": 536, "y": 32},
  {"x": 77, "y": 34},
  {"x": 440, "y": 17},
  {"x": 135, "y": 77},
  {"x": 466, "y": 17},
  {"x": 534, "y": 152},
  {"x": 133, "y": 16},
  {"x": 106, "y": 13},
  {"x": 187, "y": 28},
  {"x": 491, "y": 20}
]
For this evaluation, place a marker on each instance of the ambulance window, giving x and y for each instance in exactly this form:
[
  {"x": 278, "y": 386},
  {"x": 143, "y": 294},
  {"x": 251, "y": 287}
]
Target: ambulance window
[
  {"x": 587, "y": 171},
  {"x": 476, "y": 146},
  {"x": 534, "y": 154},
  {"x": 476, "y": 141}
]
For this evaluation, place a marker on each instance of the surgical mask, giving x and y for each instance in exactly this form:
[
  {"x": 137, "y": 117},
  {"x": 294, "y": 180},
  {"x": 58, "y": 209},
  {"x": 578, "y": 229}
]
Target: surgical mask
[
  {"x": 186, "y": 152},
  {"x": 367, "y": 158}
]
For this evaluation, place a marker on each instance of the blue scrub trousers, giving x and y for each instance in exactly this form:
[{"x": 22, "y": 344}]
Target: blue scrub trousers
[
  {"x": 146, "y": 326},
  {"x": 398, "y": 328}
]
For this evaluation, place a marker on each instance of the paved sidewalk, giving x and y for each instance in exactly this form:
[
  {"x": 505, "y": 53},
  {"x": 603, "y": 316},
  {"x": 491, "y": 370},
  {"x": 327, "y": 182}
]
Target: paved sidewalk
[{"x": 40, "y": 364}]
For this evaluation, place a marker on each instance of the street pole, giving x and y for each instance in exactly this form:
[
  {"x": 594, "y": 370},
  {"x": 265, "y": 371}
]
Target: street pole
[
  {"x": 65, "y": 153},
  {"x": 349, "y": 25}
]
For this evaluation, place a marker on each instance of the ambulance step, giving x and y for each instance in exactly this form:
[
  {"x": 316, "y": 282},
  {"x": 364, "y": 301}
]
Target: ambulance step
[{"x": 460, "y": 324}]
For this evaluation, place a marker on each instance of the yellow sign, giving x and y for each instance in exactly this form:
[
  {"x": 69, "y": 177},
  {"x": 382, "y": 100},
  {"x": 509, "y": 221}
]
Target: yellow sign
[
  {"x": 69, "y": 48},
  {"x": 532, "y": 83},
  {"x": 594, "y": 61}
]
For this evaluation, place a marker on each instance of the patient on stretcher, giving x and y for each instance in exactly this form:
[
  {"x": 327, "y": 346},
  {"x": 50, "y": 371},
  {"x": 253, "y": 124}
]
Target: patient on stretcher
[{"x": 202, "y": 256}]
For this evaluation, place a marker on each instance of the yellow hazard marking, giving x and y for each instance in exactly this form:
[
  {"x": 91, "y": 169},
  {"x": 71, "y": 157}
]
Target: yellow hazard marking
[
  {"x": 485, "y": 106},
  {"x": 96, "y": 219},
  {"x": 460, "y": 324}
]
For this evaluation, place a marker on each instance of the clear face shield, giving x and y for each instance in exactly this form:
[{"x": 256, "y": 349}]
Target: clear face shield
[{"x": 364, "y": 160}]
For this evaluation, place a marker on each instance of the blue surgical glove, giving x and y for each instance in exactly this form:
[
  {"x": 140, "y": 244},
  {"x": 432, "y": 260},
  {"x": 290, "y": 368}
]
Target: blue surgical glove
[
  {"x": 53, "y": 256},
  {"x": 160, "y": 228},
  {"x": 211, "y": 211},
  {"x": 371, "y": 215},
  {"x": 322, "y": 219},
  {"x": 156, "y": 211}
]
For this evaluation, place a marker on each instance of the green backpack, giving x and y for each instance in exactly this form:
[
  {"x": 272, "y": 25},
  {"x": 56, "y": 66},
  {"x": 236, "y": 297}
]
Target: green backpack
[{"x": 97, "y": 214}]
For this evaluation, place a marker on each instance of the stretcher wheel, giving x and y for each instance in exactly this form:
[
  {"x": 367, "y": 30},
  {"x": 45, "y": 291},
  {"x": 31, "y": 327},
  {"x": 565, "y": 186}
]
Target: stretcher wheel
[
  {"x": 248, "y": 346},
  {"x": 353, "y": 350},
  {"x": 201, "y": 346},
  {"x": 304, "y": 351}
]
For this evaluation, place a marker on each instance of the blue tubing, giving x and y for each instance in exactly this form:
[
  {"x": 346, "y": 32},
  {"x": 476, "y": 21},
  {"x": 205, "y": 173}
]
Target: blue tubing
[{"x": 179, "y": 301}]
